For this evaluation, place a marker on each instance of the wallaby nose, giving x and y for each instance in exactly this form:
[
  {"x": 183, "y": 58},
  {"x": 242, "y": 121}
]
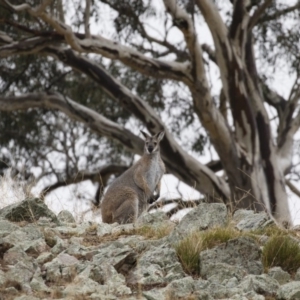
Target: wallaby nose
[{"x": 150, "y": 149}]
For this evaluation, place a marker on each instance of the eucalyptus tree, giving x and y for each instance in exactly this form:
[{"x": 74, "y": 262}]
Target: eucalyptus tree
[{"x": 95, "y": 71}]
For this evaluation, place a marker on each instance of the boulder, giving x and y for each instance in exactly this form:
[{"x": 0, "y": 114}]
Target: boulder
[
  {"x": 65, "y": 216},
  {"x": 289, "y": 291},
  {"x": 29, "y": 210},
  {"x": 157, "y": 265},
  {"x": 281, "y": 276},
  {"x": 242, "y": 252},
  {"x": 253, "y": 221},
  {"x": 203, "y": 217}
]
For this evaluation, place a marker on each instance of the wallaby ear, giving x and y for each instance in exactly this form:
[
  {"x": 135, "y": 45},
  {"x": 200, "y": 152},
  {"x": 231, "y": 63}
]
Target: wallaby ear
[
  {"x": 145, "y": 134},
  {"x": 160, "y": 135}
]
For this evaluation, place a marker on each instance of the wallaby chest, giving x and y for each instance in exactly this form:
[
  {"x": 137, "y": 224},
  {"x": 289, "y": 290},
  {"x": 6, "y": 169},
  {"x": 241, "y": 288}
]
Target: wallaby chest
[{"x": 154, "y": 169}]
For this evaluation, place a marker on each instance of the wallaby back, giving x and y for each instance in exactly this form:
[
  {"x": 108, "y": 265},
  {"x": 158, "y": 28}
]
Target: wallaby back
[{"x": 128, "y": 196}]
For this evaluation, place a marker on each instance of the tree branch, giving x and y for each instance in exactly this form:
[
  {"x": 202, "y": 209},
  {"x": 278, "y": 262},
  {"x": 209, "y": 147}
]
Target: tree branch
[
  {"x": 77, "y": 112},
  {"x": 101, "y": 176},
  {"x": 110, "y": 49},
  {"x": 87, "y": 19},
  {"x": 199, "y": 175},
  {"x": 258, "y": 13},
  {"x": 279, "y": 13},
  {"x": 293, "y": 188}
]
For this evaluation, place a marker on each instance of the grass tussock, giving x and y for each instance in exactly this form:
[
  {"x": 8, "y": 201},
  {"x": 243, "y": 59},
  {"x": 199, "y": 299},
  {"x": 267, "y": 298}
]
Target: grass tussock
[
  {"x": 272, "y": 230},
  {"x": 151, "y": 232},
  {"x": 188, "y": 249},
  {"x": 281, "y": 251}
]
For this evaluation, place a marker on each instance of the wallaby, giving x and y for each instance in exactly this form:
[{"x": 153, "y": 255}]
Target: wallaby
[{"x": 129, "y": 194}]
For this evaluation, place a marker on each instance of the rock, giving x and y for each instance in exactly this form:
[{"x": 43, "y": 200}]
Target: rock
[
  {"x": 63, "y": 267},
  {"x": 122, "y": 257},
  {"x": 241, "y": 214},
  {"x": 156, "y": 266},
  {"x": 104, "y": 229},
  {"x": 242, "y": 252},
  {"x": 29, "y": 210},
  {"x": 83, "y": 285},
  {"x": 289, "y": 291},
  {"x": 106, "y": 274},
  {"x": 56, "y": 260},
  {"x": 204, "y": 216},
  {"x": 2, "y": 278},
  {"x": 220, "y": 273},
  {"x": 187, "y": 288},
  {"x": 24, "y": 297},
  {"x": 6, "y": 228},
  {"x": 152, "y": 218},
  {"x": 261, "y": 284},
  {"x": 44, "y": 257},
  {"x": 297, "y": 275},
  {"x": 65, "y": 217},
  {"x": 23, "y": 235},
  {"x": 253, "y": 221},
  {"x": 280, "y": 275}
]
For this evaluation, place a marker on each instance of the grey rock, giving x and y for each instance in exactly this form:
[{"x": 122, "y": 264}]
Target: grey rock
[
  {"x": 64, "y": 266},
  {"x": 2, "y": 278},
  {"x": 187, "y": 287},
  {"x": 6, "y": 228},
  {"x": 35, "y": 247},
  {"x": 152, "y": 218},
  {"x": 155, "y": 294},
  {"x": 15, "y": 255},
  {"x": 104, "y": 229},
  {"x": 73, "y": 230},
  {"x": 44, "y": 257},
  {"x": 83, "y": 285},
  {"x": 157, "y": 265},
  {"x": 220, "y": 273},
  {"x": 23, "y": 235},
  {"x": 280, "y": 275},
  {"x": 29, "y": 210},
  {"x": 25, "y": 297},
  {"x": 260, "y": 284},
  {"x": 297, "y": 275},
  {"x": 218, "y": 291},
  {"x": 253, "y": 222},
  {"x": 123, "y": 229},
  {"x": 289, "y": 291},
  {"x": 204, "y": 216},
  {"x": 66, "y": 217},
  {"x": 241, "y": 252},
  {"x": 60, "y": 246},
  {"x": 37, "y": 284},
  {"x": 241, "y": 214},
  {"x": 107, "y": 275},
  {"x": 22, "y": 272},
  {"x": 121, "y": 256}
]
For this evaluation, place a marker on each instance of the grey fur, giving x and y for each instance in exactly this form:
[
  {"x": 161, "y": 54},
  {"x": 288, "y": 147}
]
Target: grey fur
[{"x": 129, "y": 194}]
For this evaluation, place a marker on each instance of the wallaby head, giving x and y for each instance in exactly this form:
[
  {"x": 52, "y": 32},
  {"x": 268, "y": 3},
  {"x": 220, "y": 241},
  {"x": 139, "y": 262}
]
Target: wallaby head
[{"x": 152, "y": 142}]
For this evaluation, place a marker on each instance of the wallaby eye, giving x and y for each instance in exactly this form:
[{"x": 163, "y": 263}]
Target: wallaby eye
[{"x": 155, "y": 143}]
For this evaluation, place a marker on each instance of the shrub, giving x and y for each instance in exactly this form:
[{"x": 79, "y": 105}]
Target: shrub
[{"x": 281, "y": 251}]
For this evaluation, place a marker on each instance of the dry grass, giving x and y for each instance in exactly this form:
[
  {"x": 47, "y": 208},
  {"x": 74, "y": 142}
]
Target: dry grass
[
  {"x": 281, "y": 251},
  {"x": 151, "y": 232}
]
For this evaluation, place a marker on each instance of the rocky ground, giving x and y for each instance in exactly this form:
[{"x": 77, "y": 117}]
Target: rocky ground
[{"x": 44, "y": 256}]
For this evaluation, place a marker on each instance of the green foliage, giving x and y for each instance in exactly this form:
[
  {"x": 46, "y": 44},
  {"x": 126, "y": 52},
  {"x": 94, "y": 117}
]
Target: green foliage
[{"x": 281, "y": 251}]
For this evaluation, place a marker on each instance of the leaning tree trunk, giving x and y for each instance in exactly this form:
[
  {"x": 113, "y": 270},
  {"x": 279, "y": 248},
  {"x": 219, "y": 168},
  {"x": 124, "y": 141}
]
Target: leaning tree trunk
[{"x": 255, "y": 177}]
